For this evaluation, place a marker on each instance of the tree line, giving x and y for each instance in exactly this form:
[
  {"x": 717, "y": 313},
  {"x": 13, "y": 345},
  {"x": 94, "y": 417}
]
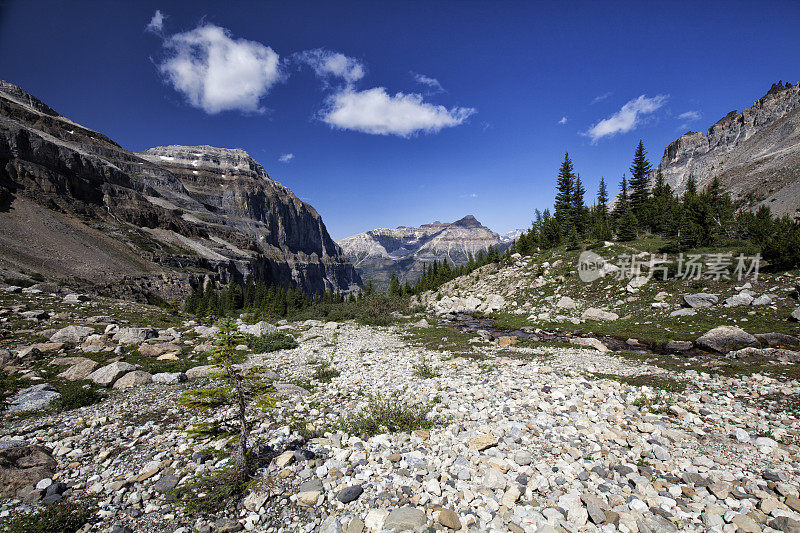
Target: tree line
[{"x": 694, "y": 219}]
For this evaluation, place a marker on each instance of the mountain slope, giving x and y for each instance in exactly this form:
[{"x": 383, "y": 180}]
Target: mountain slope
[
  {"x": 160, "y": 220},
  {"x": 755, "y": 153},
  {"x": 379, "y": 252}
]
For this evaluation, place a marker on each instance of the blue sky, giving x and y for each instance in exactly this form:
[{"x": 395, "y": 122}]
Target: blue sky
[{"x": 401, "y": 113}]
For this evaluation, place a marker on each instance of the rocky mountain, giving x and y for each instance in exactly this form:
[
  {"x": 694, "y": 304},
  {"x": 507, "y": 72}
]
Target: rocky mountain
[
  {"x": 76, "y": 206},
  {"x": 379, "y": 252},
  {"x": 755, "y": 153}
]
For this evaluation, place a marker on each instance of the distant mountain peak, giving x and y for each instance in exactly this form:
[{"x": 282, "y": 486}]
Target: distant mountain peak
[{"x": 468, "y": 221}]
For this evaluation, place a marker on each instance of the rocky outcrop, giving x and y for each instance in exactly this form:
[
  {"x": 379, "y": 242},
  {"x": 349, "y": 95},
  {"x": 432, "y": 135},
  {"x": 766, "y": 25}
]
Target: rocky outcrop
[
  {"x": 404, "y": 250},
  {"x": 75, "y": 204},
  {"x": 755, "y": 153}
]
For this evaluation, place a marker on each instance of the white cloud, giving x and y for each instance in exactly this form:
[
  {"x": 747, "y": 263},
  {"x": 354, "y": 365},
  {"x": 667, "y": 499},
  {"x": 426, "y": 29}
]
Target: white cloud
[
  {"x": 156, "y": 23},
  {"x": 326, "y": 64},
  {"x": 218, "y": 73},
  {"x": 376, "y": 112},
  {"x": 690, "y": 116},
  {"x": 627, "y": 118},
  {"x": 601, "y": 97},
  {"x": 471, "y": 195},
  {"x": 433, "y": 83},
  {"x": 285, "y": 158},
  {"x": 563, "y": 120}
]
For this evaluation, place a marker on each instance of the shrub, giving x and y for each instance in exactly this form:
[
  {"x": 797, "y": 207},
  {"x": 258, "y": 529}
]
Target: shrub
[
  {"x": 390, "y": 414},
  {"x": 424, "y": 369},
  {"x": 77, "y": 394},
  {"x": 324, "y": 372},
  {"x": 270, "y": 343},
  {"x": 211, "y": 492},
  {"x": 63, "y": 517}
]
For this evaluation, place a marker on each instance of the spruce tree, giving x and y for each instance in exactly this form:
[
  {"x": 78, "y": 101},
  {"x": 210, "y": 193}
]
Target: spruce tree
[
  {"x": 565, "y": 193},
  {"x": 578, "y": 206},
  {"x": 602, "y": 200},
  {"x": 627, "y": 226},
  {"x": 639, "y": 185}
]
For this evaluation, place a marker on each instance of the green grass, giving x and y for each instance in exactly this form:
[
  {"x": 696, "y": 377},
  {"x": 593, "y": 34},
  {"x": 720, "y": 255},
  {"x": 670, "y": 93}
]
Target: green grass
[
  {"x": 323, "y": 371},
  {"x": 441, "y": 337},
  {"x": 655, "y": 381},
  {"x": 424, "y": 369},
  {"x": 61, "y": 517}
]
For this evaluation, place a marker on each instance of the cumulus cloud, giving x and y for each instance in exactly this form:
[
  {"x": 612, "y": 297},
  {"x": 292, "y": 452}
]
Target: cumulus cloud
[
  {"x": 377, "y": 112},
  {"x": 563, "y": 120},
  {"x": 216, "y": 72},
  {"x": 285, "y": 158},
  {"x": 627, "y": 118},
  {"x": 433, "y": 83},
  {"x": 327, "y": 64},
  {"x": 601, "y": 97},
  {"x": 156, "y": 23}
]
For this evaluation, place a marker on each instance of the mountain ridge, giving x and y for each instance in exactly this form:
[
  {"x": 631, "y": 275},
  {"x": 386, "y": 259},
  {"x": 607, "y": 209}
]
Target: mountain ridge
[{"x": 168, "y": 217}]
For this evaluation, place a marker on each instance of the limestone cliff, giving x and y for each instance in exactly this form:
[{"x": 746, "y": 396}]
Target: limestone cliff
[
  {"x": 755, "y": 153},
  {"x": 76, "y": 205}
]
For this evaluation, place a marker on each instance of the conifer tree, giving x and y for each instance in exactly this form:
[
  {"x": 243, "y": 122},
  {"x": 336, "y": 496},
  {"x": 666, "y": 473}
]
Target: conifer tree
[
  {"x": 578, "y": 206},
  {"x": 565, "y": 193},
  {"x": 627, "y": 226},
  {"x": 639, "y": 185}
]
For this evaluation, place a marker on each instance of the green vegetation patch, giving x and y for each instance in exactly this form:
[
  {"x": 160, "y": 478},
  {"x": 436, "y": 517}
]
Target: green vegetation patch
[
  {"x": 390, "y": 414},
  {"x": 61, "y": 517}
]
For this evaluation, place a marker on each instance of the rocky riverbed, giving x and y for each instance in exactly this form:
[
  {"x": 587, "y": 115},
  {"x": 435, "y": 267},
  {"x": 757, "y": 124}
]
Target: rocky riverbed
[{"x": 526, "y": 438}]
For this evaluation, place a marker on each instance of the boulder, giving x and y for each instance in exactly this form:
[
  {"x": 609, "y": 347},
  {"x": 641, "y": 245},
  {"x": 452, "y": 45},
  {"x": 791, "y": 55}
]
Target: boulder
[
  {"x": 679, "y": 346},
  {"x": 258, "y": 329},
  {"x": 494, "y": 302},
  {"x": 22, "y": 466},
  {"x": 75, "y": 298},
  {"x": 686, "y": 311},
  {"x": 590, "y": 342},
  {"x": 206, "y": 331},
  {"x": 777, "y": 340},
  {"x": 594, "y": 313},
  {"x": 169, "y": 378},
  {"x": 795, "y": 315},
  {"x": 700, "y": 299},
  {"x": 723, "y": 339},
  {"x": 481, "y": 442},
  {"x": 133, "y": 379},
  {"x": 79, "y": 370},
  {"x": 506, "y": 341},
  {"x": 107, "y": 375},
  {"x": 764, "y": 299},
  {"x": 406, "y": 519},
  {"x": 201, "y": 371},
  {"x": 637, "y": 283},
  {"x": 74, "y": 334},
  {"x": 157, "y": 350},
  {"x": 98, "y": 343},
  {"x": 39, "y": 396},
  {"x": 128, "y": 336},
  {"x": 738, "y": 299},
  {"x": 565, "y": 302}
]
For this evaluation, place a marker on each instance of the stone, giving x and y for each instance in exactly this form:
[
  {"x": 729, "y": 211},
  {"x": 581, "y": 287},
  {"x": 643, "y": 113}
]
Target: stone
[
  {"x": 349, "y": 494},
  {"x": 506, "y": 341},
  {"x": 738, "y": 299},
  {"x": 795, "y": 315},
  {"x": 73, "y": 334},
  {"x": 255, "y": 501},
  {"x": 449, "y": 519},
  {"x": 21, "y": 466},
  {"x": 745, "y": 524},
  {"x": 594, "y": 313},
  {"x": 375, "y": 519},
  {"x": 203, "y": 371},
  {"x": 226, "y": 525},
  {"x": 330, "y": 525},
  {"x": 169, "y": 378},
  {"x": 206, "y": 331},
  {"x": 785, "y": 524},
  {"x": 107, "y": 375},
  {"x": 596, "y": 514},
  {"x": 160, "y": 349},
  {"x": 777, "y": 340},
  {"x": 481, "y": 442},
  {"x": 764, "y": 299},
  {"x": 79, "y": 370},
  {"x": 74, "y": 298},
  {"x": 723, "y": 339},
  {"x": 166, "y": 483},
  {"x": 130, "y": 336},
  {"x": 683, "y": 312},
  {"x": 406, "y": 519},
  {"x": 679, "y": 346},
  {"x": 700, "y": 299},
  {"x": 259, "y": 329},
  {"x": 356, "y": 525},
  {"x": 494, "y": 480},
  {"x": 308, "y": 498},
  {"x": 133, "y": 379},
  {"x": 284, "y": 459},
  {"x": 591, "y": 342},
  {"x": 565, "y": 302},
  {"x": 36, "y": 397}
]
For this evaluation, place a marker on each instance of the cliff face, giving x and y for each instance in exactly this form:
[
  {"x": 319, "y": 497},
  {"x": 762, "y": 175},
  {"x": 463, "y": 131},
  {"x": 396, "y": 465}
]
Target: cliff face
[
  {"x": 379, "y": 252},
  {"x": 755, "y": 153},
  {"x": 74, "y": 204}
]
